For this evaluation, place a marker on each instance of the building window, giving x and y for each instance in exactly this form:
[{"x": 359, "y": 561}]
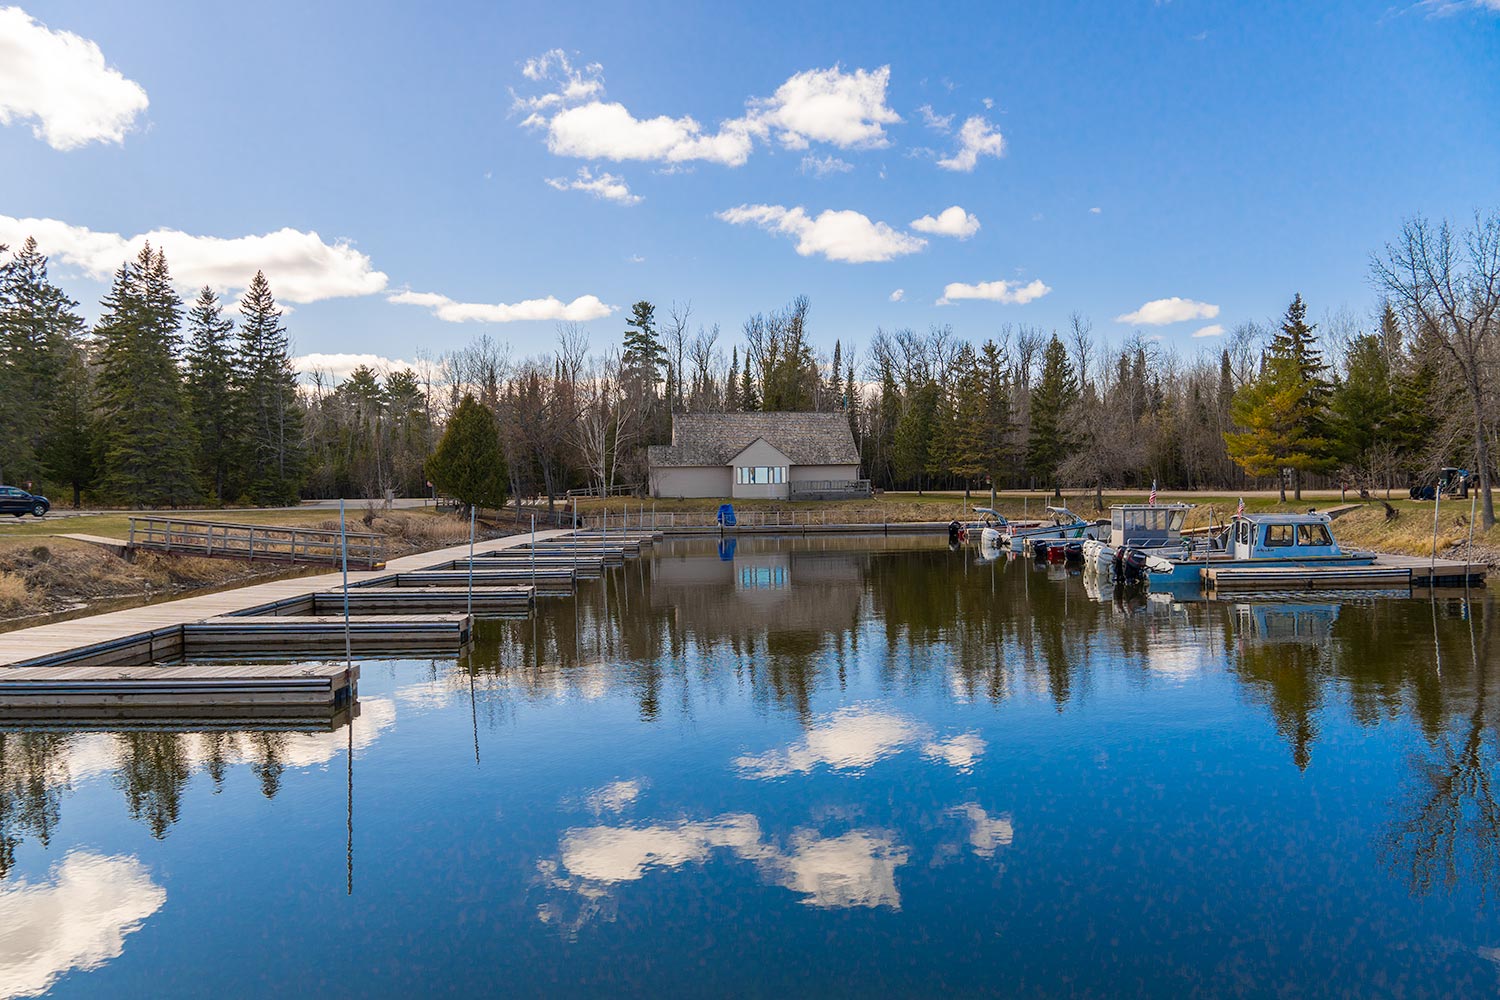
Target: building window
[{"x": 759, "y": 475}]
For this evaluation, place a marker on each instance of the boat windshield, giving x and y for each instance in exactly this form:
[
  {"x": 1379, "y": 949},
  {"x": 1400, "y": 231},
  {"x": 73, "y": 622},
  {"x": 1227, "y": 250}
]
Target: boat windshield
[{"x": 1148, "y": 521}]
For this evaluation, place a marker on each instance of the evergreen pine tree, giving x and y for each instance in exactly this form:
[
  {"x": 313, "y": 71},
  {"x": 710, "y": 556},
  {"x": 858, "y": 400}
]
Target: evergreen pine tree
[
  {"x": 69, "y": 450},
  {"x": 749, "y": 401},
  {"x": 469, "y": 464},
  {"x": 143, "y": 430},
  {"x": 39, "y": 327},
  {"x": 915, "y": 434},
  {"x": 1055, "y": 395},
  {"x": 1285, "y": 409},
  {"x": 732, "y": 382},
  {"x": 270, "y": 419},
  {"x": 210, "y": 389}
]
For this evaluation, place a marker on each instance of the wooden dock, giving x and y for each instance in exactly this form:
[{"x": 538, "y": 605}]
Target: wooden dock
[
  {"x": 196, "y": 689},
  {"x": 1385, "y": 571},
  {"x": 550, "y": 576},
  {"x": 396, "y": 600},
  {"x": 155, "y": 631},
  {"x": 286, "y": 635}
]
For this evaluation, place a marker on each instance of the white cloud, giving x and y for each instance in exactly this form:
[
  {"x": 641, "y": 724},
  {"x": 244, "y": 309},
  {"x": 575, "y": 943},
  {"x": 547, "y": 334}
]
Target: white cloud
[
  {"x": 59, "y": 82},
  {"x": 1011, "y": 293},
  {"x": 987, "y": 834},
  {"x": 822, "y": 166},
  {"x": 850, "y": 739},
  {"x": 952, "y": 221},
  {"x": 976, "y": 138},
  {"x": 605, "y": 186},
  {"x": 855, "y": 869},
  {"x": 828, "y": 105},
  {"x": 77, "y": 919},
  {"x": 581, "y": 309},
  {"x": 1443, "y": 8},
  {"x": 300, "y": 265},
  {"x": 1212, "y": 330},
  {"x": 600, "y": 131},
  {"x": 935, "y": 121},
  {"x": 958, "y": 752},
  {"x": 988, "y": 102},
  {"x": 615, "y": 796},
  {"x": 898, "y": 295},
  {"x": 844, "y": 236},
  {"x": 847, "y": 110},
  {"x": 1160, "y": 312},
  {"x": 1095, "y": 210},
  {"x": 624, "y": 854},
  {"x": 340, "y": 365}
]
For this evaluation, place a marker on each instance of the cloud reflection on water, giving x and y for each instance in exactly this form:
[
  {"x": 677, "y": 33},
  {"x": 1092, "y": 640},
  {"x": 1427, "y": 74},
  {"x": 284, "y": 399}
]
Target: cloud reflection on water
[
  {"x": 853, "y": 739},
  {"x": 77, "y": 919}
]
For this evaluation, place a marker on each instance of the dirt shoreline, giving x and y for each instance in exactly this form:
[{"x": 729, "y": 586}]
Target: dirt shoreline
[{"x": 48, "y": 578}]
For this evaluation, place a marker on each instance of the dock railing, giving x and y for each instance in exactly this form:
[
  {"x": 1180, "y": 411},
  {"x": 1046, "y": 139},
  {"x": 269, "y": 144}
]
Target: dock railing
[
  {"x": 276, "y": 543},
  {"x": 641, "y": 517}
]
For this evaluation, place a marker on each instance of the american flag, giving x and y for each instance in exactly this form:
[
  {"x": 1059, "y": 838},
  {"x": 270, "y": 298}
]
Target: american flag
[
  {"x": 1242, "y": 506},
  {"x": 1152, "y": 501}
]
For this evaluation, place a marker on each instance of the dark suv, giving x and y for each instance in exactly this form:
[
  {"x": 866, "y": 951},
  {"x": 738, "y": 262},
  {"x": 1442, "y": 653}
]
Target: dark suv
[{"x": 17, "y": 501}]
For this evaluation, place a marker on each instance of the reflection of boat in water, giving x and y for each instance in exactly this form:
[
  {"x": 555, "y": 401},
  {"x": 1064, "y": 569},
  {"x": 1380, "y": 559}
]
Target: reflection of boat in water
[
  {"x": 1285, "y": 622},
  {"x": 1258, "y": 541}
]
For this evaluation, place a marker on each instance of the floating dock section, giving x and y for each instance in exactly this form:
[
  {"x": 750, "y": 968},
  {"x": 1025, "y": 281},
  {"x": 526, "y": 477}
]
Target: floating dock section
[
  {"x": 203, "y": 690},
  {"x": 102, "y": 666}
]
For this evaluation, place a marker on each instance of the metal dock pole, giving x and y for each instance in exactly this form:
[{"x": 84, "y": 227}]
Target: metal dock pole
[{"x": 471, "y": 560}]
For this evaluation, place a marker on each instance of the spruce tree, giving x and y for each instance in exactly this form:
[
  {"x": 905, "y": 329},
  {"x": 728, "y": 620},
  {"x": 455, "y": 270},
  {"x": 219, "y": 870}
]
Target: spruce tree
[
  {"x": 271, "y": 451},
  {"x": 749, "y": 401},
  {"x": 915, "y": 433},
  {"x": 39, "y": 327},
  {"x": 1285, "y": 409},
  {"x": 1056, "y": 393},
  {"x": 69, "y": 451},
  {"x": 143, "y": 429},
  {"x": 210, "y": 389},
  {"x": 469, "y": 464}
]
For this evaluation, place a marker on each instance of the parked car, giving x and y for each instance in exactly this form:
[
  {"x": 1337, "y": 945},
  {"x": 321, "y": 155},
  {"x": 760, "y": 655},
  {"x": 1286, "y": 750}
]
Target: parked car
[{"x": 18, "y": 502}]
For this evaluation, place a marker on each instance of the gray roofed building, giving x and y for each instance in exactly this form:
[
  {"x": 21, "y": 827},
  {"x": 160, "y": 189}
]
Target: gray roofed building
[{"x": 768, "y": 455}]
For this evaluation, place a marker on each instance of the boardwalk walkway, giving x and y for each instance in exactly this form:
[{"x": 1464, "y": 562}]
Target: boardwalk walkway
[{"x": 157, "y": 628}]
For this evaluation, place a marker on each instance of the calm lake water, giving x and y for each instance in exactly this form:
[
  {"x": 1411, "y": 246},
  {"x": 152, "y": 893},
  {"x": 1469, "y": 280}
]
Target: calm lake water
[{"x": 853, "y": 766}]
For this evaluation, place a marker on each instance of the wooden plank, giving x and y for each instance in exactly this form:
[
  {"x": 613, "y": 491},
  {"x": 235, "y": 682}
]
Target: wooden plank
[{"x": 83, "y": 638}]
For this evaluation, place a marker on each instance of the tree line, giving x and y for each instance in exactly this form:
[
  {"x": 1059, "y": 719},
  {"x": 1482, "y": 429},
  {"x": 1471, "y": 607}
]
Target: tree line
[{"x": 155, "y": 405}]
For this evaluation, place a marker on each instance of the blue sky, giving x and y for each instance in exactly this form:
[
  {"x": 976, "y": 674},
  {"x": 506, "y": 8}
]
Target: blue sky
[{"x": 1235, "y": 154}]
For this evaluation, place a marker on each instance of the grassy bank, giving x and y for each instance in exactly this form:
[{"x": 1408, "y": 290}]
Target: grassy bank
[{"x": 1410, "y": 532}]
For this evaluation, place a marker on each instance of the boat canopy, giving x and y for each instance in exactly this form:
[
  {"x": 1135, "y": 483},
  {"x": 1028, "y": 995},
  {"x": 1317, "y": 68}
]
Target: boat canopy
[
  {"x": 1063, "y": 515},
  {"x": 991, "y": 514},
  {"x": 1283, "y": 536},
  {"x": 1143, "y": 525}
]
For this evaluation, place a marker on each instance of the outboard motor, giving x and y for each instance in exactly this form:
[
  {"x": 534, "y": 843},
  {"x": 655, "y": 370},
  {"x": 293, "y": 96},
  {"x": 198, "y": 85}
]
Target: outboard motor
[
  {"x": 1130, "y": 564},
  {"x": 953, "y": 532}
]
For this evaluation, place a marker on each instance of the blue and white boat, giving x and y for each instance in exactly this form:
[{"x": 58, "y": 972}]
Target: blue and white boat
[{"x": 1258, "y": 540}]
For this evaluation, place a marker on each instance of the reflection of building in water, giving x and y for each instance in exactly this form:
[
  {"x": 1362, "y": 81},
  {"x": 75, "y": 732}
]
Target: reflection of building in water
[
  {"x": 77, "y": 919},
  {"x": 763, "y": 589}
]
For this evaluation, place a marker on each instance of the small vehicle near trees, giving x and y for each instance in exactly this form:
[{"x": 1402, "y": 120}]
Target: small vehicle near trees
[
  {"x": 17, "y": 502},
  {"x": 1451, "y": 482}
]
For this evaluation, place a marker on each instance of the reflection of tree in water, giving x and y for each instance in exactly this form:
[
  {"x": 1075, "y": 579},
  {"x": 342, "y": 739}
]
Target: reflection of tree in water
[
  {"x": 1447, "y": 832},
  {"x": 153, "y": 771},
  {"x": 32, "y": 780}
]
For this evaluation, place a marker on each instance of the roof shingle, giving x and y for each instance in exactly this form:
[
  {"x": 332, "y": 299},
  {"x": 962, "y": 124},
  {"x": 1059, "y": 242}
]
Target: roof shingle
[{"x": 715, "y": 438}]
